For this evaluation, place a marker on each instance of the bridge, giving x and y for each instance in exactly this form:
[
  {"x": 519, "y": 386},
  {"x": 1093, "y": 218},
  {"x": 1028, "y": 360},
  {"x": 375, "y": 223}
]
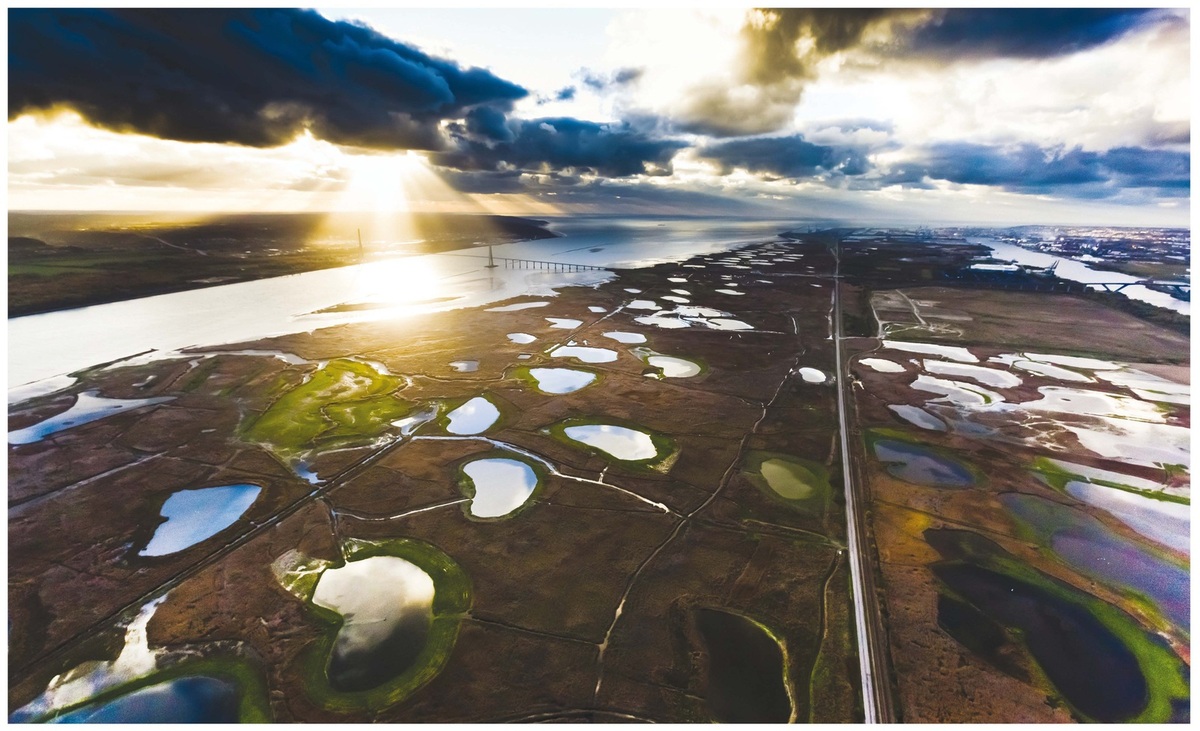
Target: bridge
[
  {"x": 1179, "y": 290},
  {"x": 1033, "y": 283},
  {"x": 550, "y": 266}
]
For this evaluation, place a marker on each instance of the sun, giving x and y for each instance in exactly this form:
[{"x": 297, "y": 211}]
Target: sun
[{"x": 381, "y": 183}]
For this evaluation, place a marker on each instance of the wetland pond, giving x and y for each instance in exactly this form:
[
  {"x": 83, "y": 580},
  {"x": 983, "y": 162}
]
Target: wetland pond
[
  {"x": 501, "y": 486},
  {"x": 626, "y": 337},
  {"x": 560, "y": 380},
  {"x": 746, "y": 672},
  {"x": 88, "y": 407},
  {"x": 1167, "y": 523},
  {"x": 1088, "y": 546},
  {"x": 387, "y": 608},
  {"x": 920, "y": 465},
  {"x": 193, "y": 516},
  {"x": 191, "y": 699},
  {"x": 473, "y": 417},
  {"x": 621, "y": 442},
  {"x": 917, "y": 416},
  {"x": 585, "y": 354}
]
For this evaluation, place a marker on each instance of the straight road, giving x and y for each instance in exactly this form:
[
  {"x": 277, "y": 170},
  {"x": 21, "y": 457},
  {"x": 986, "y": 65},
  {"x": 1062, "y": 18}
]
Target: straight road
[{"x": 872, "y": 649}]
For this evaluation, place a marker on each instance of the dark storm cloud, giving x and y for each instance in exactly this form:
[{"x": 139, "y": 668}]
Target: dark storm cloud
[
  {"x": 603, "y": 82},
  {"x": 1020, "y": 32},
  {"x": 781, "y": 50},
  {"x": 783, "y": 157},
  {"x": 1031, "y": 169},
  {"x": 559, "y": 144},
  {"x": 252, "y": 77}
]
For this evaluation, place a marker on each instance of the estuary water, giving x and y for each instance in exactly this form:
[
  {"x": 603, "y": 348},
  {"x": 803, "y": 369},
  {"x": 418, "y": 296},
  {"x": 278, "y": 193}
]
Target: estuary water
[
  {"x": 1078, "y": 271},
  {"x": 57, "y": 343}
]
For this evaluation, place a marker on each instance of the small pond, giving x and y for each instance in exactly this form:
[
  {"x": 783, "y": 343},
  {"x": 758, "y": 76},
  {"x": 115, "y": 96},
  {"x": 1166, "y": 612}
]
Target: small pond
[
  {"x": 560, "y": 380},
  {"x": 882, "y": 366},
  {"x": 618, "y": 441},
  {"x": 626, "y": 337},
  {"x": 921, "y": 466},
  {"x": 501, "y": 486},
  {"x": 812, "y": 375},
  {"x": 88, "y": 407},
  {"x": 917, "y": 416},
  {"x": 473, "y": 417},
  {"x": 986, "y": 376},
  {"x": 585, "y": 354},
  {"x": 196, "y": 515},
  {"x": 1162, "y": 521},
  {"x": 672, "y": 367}
]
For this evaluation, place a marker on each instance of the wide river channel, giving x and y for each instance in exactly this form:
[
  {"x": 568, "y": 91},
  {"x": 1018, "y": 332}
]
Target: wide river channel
[{"x": 44, "y": 348}]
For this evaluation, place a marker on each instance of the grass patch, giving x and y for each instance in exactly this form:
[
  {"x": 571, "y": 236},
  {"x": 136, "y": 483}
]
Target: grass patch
[
  {"x": 798, "y": 483},
  {"x": 344, "y": 403}
]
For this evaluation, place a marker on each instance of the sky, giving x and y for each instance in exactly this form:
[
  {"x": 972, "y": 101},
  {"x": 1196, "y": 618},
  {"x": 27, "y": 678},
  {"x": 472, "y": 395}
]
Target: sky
[{"x": 1067, "y": 116}]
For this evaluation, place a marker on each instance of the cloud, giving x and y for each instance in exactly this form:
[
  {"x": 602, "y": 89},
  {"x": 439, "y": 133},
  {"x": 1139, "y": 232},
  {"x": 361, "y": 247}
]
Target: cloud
[
  {"x": 603, "y": 82},
  {"x": 783, "y": 157},
  {"x": 251, "y": 77},
  {"x": 1027, "y": 168},
  {"x": 1019, "y": 32},
  {"x": 784, "y": 50},
  {"x": 561, "y": 144}
]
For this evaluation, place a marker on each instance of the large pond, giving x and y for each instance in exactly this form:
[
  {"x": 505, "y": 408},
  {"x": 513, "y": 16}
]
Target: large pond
[
  {"x": 88, "y": 407},
  {"x": 1162, "y": 521},
  {"x": 746, "y": 672},
  {"x": 1082, "y": 658},
  {"x": 921, "y": 465},
  {"x": 196, "y": 515},
  {"x": 501, "y": 486},
  {"x": 1088, "y": 546},
  {"x": 191, "y": 699},
  {"x": 387, "y": 608},
  {"x": 618, "y": 441}
]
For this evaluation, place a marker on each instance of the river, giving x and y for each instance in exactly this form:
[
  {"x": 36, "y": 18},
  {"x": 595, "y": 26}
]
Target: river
[
  {"x": 44, "y": 348},
  {"x": 1078, "y": 271}
]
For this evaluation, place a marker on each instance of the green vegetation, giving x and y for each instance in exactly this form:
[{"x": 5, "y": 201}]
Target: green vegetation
[
  {"x": 451, "y": 601},
  {"x": 799, "y": 483},
  {"x": 1057, "y": 478},
  {"x": 344, "y": 403}
]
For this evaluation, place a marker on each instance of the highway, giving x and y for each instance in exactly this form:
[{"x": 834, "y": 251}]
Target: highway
[{"x": 872, "y": 646}]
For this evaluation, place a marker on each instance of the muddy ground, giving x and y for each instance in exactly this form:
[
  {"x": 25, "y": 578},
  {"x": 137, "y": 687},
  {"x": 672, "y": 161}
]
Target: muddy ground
[{"x": 582, "y": 603}]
